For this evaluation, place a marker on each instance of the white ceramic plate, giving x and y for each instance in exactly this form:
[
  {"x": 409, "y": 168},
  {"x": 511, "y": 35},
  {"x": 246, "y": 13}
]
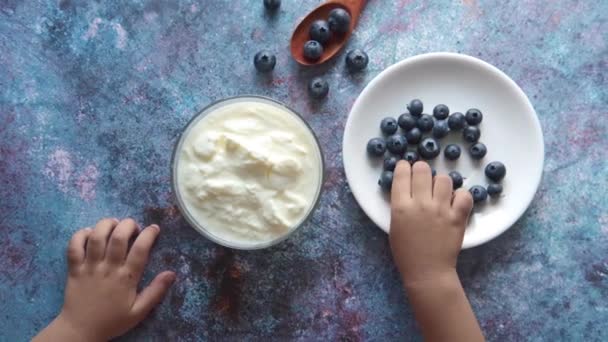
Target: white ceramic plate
[{"x": 510, "y": 129}]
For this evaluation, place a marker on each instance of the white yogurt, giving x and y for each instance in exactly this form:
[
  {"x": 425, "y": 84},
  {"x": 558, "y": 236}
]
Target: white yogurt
[{"x": 248, "y": 172}]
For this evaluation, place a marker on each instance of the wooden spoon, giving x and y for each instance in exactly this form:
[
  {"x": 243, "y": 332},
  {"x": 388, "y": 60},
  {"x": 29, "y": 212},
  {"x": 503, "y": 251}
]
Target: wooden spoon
[{"x": 301, "y": 33}]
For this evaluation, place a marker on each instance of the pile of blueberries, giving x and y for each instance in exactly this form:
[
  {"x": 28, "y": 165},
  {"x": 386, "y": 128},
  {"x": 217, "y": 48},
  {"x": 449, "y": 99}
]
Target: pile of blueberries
[
  {"x": 422, "y": 132},
  {"x": 321, "y": 32}
]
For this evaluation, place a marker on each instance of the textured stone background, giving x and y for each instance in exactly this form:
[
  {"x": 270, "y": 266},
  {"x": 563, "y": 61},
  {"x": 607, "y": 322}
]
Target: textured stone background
[{"x": 93, "y": 95}]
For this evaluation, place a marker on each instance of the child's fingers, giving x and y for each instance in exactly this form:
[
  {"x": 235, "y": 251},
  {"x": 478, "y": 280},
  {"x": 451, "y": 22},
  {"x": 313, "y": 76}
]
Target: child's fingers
[
  {"x": 402, "y": 183},
  {"x": 152, "y": 295},
  {"x": 76, "y": 252},
  {"x": 96, "y": 246},
  {"x": 138, "y": 255},
  {"x": 119, "y": 241},
  {"x": 462, "y": 204},
  {"x": 422, "y": 181},
  {"x": 442, "y": 190}
]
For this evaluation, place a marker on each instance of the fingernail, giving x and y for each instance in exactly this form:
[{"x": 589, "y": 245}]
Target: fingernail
[
  {"x": 171, "y": 277},
  {"x": 155, "y": 226}
]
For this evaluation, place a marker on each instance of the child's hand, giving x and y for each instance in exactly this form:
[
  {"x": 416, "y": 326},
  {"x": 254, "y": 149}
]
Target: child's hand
[
  {"x": 101, "y": 299},
  {"x": 427, "y": 223}
]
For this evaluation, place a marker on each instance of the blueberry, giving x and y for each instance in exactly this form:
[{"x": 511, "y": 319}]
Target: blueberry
[
  {"x": 494, "y": 190},
  {"x": 456, "y": 121},
  {"x": 474, "y": 116},
  {"x": 415, "y": 107},
  {"x": 440, "y": 129},
  {"x": 318, "y": 88},
  {"x": 452, "y": 152},
  {"x": 496, "y": 171},
  {"x": 441, "y": 112},
  {"x": 478, "y": 150},
  {"x": 425, "y": 122},
  {"x": 264, "y": 61},
  {"x": 319, "y": 31},
  {"x": 390, "y": 162},
  {"x": 272, "y": 4},
  {"x": 429, "y": 148},
  {"x": 396, "y": 144},
  {"x": 386, "y": 180},
  {"x": 356, "y": 60},
  {"x": 479, "y": 193},
  {"x": 457, "y": 179},
  {"x": 471, "y": 134},
  {"x": 376, "y": 147},
  {"x": 411, "y": 156},
  {"x": 413, "y": 136},
  {"x": 406, "y": 121},
  {"x": 339, "y": 20},
  {"x": 388, "y": 126},
  {"x": 313, "y": 50}
]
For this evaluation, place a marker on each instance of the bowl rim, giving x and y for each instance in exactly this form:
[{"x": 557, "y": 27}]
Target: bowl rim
[
  {"x": 481, "y": 64},
  {"x": 174, "y": 162}
]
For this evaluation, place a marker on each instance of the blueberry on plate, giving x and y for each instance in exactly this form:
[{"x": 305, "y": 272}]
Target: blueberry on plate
[
  {"x": 471, "y": 134},
  {"x": 411, "y": 157},
  {"x": 318, "y": 88},
  {"x": 474, "y": 116},
  {"x": 496, "y": 171},
  {"x": 415, "y": 107},
  {"x": 494, "y": 190},
  {"x": 376, "y": 147},
  {"x": 406, "y": 121},
  {"x": 440, "y": 129},
  {"x": 386, "y": 180},
  {"x": 456, "y": 121},
  {"x": 429, "y": 148},
  {"x": 425, "y": 123},
  {"x": 272, "y": 4},
  {"x": 264, "y": 61},
  {"x": 452, "y": 152},
  {"x": 319, "y": 31},
  {"x": 396, "y": 144},
  {"x": 313, "y": 50},
  {"x": 479, "y": 193},
  {"x": 441, "y": 112},
  {"x": 413, "y": 136},
  {"x": 390, "y": 162},
  {"x": 356, "y": 60},
  {"x": 478, "y": 150},
  {"x": 457, "y": 179},
  {"x": 339, "y": 20},
  {"x": 388, "y": 126}
]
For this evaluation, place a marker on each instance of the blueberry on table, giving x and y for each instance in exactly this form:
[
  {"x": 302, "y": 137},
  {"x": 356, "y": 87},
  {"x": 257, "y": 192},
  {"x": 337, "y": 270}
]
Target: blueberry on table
[
  {"x": 411, "y": 156},
  {"x": 496, "y": 171},
  {"x": 474, "y": 116},
  {"x": 313, "y": 50},
  {"x": 456, "y": 121},
  {"x": 494, "y": 190},
  {"x": 319, "y": 31},
  {"x": 376, "y": 147},
  {"x": 264, "y": 61},
  {"x": 441, "y": 112},
  {"x": 386, "y": 180},
  {"x": 452, "y": 152},
  {"x": 413, "y": 136},
  {"x": 388, "y": 126},
  {"x": 406, "y": 121},
  {"x": 272, "y": 4},
  {"x": 425, "y": 122},
  {"x": 318, "y": 88},
  {"x": 478, "y": 150},
  {"x": 429, "y": 148},
  {"x": 390, "y": 162},
  {"x": 471, "y": 134},
  {"x": 440, "y": 129},
  {"x": 396, "y": 144},
  {"x": 339, "y": 20},
  {"x": 415, "y": 107},
  {"x": 457, "y": 179},
  {"x": 356, "y": 60},
  {"x": 479, "y": 193}
]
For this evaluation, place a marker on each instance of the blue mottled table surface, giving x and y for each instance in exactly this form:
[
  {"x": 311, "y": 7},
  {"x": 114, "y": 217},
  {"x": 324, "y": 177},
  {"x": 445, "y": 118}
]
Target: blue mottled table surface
[{"x": 94, "y": 94}]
